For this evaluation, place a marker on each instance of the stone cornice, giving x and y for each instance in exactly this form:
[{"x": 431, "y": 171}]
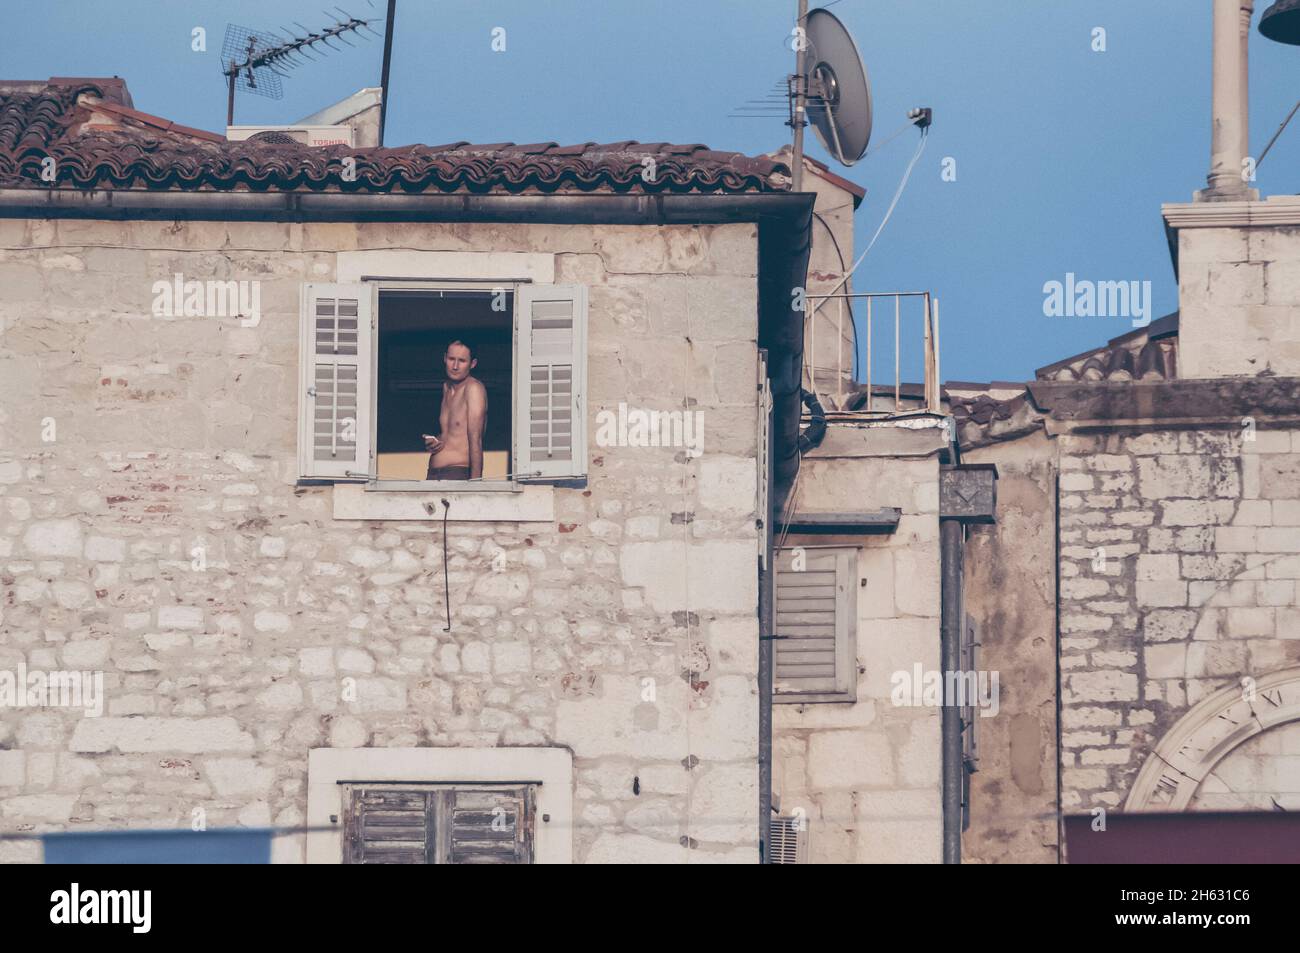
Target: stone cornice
[{"x": 1277, "y": 210}]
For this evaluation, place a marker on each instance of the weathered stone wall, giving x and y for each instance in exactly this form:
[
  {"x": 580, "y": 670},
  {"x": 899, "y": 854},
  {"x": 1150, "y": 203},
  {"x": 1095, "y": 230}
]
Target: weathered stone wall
[
  {"x": 1239, "y": 300},
  {"x": 1010, "y": 591},
  {"x": 625, "y": 630},
  {"x": 867, "y": 773},
  {"x": 1180, "y": 553}
]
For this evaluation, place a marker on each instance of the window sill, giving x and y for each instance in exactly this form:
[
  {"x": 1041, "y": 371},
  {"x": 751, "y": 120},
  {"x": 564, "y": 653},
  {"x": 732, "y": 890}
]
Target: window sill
[{"x": 504, "y": 503}]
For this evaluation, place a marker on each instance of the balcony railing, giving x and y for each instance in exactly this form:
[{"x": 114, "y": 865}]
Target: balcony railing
[{"x": 929, "y": 319}]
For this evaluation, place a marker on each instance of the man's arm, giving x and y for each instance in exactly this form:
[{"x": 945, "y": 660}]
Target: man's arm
[{"x": 475, "y": 423}]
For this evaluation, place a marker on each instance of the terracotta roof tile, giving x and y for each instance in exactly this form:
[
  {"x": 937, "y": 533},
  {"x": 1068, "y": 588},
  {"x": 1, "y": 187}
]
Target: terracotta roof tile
[{"x": 141, "y": 151}]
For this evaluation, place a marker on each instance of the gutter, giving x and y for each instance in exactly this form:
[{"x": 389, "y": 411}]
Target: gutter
[{"x": 562, "y": 208}]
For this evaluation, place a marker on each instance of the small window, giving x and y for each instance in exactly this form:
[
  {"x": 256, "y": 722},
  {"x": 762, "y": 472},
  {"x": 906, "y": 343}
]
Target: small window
[
  {"x": 373, "y": 375},
  {"x": 438, "y": 824},
  {"x": 816, "y": 625}
]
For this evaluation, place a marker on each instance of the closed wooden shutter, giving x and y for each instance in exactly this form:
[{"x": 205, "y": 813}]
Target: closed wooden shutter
[
  {"x": 335, "y": 398},
  {"x": 392, "y": 824},
  {"x": 490, "y": 827},
  {"x": 816, "y": 606},
  {"x": 551, "y": 374},
  {"x": 764, "y": 454}
]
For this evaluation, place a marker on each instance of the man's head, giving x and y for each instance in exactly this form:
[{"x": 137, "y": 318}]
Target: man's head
[{"x": 459, "y": 360}]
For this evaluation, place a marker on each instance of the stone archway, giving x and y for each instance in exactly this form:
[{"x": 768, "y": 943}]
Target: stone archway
[{"x": 1209, "y": 732}]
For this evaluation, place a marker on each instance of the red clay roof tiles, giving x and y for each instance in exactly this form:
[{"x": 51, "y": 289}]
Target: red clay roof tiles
[{"x": 101, "y": 144}]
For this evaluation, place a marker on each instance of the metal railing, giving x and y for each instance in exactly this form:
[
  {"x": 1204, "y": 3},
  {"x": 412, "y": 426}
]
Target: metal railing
[{"x": 930, "y": 339}]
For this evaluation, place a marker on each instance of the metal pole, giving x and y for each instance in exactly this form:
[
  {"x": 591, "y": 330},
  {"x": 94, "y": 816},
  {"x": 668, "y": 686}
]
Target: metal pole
[
  {"x": 383, "y": 76},
  {"x": 800, "y": 102},
  {"x": 766, "y": 627},
  {"x": 928, "y": 362},
  {"x": 949, "y": 642},
  {"x": 230, "y": 101},
  {"x": 938, "y": 380},
  {"x": 868, "y": 354},
  {"x": 897, "y": 306}
]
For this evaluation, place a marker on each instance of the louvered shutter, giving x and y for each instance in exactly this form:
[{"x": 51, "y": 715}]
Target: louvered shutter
[
  {"x": 816, "y": 607},
  {"x": 787, "y": 843},
  {"x": 388, "y": 826},
  {"x": 550, "y": 383},
  {"x": 490, "y": 826},
  {"x": 335, "y": 399}
]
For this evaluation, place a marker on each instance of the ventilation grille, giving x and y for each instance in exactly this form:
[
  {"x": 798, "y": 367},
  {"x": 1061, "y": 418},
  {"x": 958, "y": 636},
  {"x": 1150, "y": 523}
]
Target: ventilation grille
[{"x": 788, "y": 844}]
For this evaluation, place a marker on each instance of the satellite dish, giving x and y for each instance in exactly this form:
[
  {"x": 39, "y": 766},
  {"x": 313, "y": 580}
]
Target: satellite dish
[{"x": 839, "y": 95}]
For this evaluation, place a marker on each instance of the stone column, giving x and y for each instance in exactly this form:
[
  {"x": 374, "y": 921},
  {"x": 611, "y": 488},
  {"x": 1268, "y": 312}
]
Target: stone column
[{"x": 1229, "y": 139}]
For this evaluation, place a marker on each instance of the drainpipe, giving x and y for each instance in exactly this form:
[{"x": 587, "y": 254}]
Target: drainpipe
[
  {"x": 950, "y": 623},
  {"x": 766, "y": 625}
]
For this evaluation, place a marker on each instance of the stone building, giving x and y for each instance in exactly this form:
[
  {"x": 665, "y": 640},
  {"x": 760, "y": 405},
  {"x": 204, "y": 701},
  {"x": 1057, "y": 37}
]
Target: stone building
[
  {"x": 697, "y": 607},
  {"x": 1139, "y": 589},
  {"x": 206, "y": 501}
]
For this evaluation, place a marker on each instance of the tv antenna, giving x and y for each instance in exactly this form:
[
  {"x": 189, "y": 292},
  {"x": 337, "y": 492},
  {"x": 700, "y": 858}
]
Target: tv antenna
[{"x": 256, "y": 61}]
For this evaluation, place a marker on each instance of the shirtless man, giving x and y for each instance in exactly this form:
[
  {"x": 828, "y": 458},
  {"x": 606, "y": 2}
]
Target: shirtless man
[{"x": 457, "y": 453}]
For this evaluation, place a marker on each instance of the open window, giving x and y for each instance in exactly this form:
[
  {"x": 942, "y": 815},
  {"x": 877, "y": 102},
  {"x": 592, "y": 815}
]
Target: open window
[{"x": 373, "y": 374}]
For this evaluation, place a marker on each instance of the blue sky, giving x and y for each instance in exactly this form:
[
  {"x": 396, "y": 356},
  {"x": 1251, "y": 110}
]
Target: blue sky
[{"x": 1063, "y": 154}]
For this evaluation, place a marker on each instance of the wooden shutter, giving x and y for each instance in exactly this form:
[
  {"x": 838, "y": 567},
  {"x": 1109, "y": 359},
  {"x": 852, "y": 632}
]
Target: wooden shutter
[
  {"x": 335, "y": 398},
  {"x": 816, "y": 606},
  {"x": 490, "y": 826},
  {"x": 391, "y": 824},
  {"x": 551, "y": 378}
]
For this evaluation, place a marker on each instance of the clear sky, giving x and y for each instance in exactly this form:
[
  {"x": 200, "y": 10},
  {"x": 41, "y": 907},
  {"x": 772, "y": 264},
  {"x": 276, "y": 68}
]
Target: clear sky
[{"x": 1063, "y": 155}]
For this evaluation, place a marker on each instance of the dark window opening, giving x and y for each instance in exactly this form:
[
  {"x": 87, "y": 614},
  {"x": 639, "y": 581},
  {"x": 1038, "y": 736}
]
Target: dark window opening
[{"x": 415, "y": 327}]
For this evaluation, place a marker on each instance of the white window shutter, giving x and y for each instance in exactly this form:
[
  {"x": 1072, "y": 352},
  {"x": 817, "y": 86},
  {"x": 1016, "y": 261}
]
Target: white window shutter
[
  {"x": 550, "y": 382},
  {"x": 335, "y": 395},
  {"x": 816, "y": 625}
]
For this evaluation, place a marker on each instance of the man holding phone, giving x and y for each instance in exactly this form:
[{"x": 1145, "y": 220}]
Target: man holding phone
[{"x": 457, "y": 453}]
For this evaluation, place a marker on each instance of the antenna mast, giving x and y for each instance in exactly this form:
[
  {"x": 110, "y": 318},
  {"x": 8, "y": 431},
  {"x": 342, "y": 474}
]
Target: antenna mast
[
  {"x": 800, "y": 86},
  {"x": 261, "y": 60}
]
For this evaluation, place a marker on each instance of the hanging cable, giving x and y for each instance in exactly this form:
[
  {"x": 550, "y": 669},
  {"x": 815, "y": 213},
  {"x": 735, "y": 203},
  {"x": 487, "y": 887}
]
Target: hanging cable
[{"x": 446, "y": 576}]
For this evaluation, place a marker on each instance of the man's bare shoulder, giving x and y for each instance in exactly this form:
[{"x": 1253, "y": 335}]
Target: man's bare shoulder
[{"x": 475, "y": 386}]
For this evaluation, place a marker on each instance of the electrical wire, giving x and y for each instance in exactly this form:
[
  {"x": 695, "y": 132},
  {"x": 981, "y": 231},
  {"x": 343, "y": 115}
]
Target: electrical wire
[
  {"x": 898, "y": 194},
  {"x": 446, "y": 576},
  {"x": 853, "y": 367}
]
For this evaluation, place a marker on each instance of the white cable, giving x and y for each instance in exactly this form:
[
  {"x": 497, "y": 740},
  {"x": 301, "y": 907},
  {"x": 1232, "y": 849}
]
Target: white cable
[{"x": 898, "y": 193}]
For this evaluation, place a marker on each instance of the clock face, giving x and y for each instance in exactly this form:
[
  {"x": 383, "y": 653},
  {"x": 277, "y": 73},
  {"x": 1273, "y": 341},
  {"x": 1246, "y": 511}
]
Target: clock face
[{"x": 1260, "y": 774}]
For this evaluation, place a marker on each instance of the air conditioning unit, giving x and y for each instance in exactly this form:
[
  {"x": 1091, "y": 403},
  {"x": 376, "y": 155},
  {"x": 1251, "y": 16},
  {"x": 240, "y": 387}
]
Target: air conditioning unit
[{"x": 306, "y": 135}]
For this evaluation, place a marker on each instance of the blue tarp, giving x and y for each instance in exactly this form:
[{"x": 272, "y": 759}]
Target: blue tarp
[{"x": 238, "y": 846}]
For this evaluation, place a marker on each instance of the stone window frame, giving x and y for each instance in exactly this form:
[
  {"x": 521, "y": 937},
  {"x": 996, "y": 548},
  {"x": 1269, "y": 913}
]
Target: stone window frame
[
  {"x": 505, "y": 501},
  {"x": 550, "y": 769}
]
